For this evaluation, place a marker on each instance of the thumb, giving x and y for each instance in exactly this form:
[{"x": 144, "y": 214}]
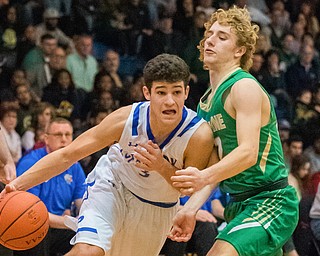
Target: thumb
[{"x": 10, "y": 188}]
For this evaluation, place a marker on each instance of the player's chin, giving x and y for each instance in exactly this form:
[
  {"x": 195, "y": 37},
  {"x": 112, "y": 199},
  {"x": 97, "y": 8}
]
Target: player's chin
[{"x": 170, "y": 119}]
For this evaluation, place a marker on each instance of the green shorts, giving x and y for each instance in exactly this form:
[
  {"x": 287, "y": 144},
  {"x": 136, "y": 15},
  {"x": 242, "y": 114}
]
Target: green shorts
[{"x": 262, "y": 224}]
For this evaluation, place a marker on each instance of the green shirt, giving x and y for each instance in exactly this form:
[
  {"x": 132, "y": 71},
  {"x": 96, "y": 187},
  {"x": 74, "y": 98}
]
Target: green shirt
[
  {"x": 270, "y": 166},
  {"x": 83, "y": 70}
]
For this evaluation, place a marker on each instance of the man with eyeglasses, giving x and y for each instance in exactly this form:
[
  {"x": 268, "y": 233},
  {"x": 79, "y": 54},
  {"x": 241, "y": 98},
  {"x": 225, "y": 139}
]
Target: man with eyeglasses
[{"x": 59, "y": 193}]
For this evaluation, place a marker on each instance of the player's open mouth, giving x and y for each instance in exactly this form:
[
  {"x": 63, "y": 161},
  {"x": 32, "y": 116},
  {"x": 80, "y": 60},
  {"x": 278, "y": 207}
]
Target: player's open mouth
[{"x": 169, "y": 112}]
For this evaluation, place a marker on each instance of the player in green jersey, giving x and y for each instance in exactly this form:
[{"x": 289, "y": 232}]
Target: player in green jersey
[{"x": 263, "y": 210}]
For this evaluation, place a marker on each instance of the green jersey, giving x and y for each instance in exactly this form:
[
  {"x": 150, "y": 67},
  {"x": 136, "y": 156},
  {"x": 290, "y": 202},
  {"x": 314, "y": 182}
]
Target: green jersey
[{"x": 270, "y": 166}]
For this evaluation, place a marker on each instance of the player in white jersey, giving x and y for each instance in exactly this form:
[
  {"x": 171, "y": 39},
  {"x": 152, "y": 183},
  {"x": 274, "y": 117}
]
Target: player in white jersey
[{"x": 129, "y": 204}]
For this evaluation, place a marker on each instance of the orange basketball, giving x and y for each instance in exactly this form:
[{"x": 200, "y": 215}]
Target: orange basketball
[{"x": 24, "y": 220}]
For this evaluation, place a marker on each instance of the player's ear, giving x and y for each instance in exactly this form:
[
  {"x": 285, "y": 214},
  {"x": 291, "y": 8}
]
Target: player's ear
[
  {"x": 240, "y": 51},
  {"x": 146, "y": 92},
  {"x": 187, "y": 92}
]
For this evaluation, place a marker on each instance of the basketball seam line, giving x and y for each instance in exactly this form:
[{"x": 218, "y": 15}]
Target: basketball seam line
[{"x": 18, "y": 217}]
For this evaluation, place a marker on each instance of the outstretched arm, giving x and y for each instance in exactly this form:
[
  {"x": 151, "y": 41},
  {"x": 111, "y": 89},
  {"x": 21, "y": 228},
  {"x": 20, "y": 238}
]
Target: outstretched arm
[
  {"x": 96, "y": 138},
  {"x": 7, "y": 166}
]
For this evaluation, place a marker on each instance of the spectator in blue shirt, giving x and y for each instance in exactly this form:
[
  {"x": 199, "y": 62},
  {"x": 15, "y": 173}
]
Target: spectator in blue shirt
[{"x": 59, "y": 193}]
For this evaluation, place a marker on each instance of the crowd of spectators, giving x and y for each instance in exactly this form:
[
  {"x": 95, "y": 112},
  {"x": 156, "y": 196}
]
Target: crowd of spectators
[{"x": 83, "y": 59}]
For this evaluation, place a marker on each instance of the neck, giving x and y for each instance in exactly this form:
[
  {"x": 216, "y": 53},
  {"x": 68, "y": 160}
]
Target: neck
[
  {"x": 160, "y": 130},
  {"x": 217, "y": 75}
]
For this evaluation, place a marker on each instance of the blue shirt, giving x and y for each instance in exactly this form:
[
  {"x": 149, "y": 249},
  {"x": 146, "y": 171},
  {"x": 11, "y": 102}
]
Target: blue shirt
[{"x": 60, "y": 191}]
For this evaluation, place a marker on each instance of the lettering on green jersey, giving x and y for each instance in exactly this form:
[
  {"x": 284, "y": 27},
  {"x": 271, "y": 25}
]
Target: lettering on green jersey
[{"x": 217, "y": 123}]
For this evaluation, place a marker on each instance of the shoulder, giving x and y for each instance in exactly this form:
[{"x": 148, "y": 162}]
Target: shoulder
[
  {"x": 203, "y": 135},
  {"x": 116, "y": 119},
  {"x": 246, "y": 88}
]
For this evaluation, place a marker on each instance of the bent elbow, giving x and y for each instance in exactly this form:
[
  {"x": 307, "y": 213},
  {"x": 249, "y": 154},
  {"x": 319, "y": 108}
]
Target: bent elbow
[{"x": 251, "y": 156}]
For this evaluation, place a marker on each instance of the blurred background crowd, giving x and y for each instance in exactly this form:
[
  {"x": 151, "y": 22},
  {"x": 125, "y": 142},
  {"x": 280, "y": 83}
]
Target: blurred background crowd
[{"x": 83, "y": 59}]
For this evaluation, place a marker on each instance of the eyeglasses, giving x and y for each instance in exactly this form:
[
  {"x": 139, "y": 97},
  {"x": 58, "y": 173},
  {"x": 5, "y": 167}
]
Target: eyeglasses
[{"x": 60, "y": 135}]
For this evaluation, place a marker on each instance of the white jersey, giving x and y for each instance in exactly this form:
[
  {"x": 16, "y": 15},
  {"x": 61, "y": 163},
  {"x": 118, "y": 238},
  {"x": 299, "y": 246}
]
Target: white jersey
[{"x": 150, "y": 185}]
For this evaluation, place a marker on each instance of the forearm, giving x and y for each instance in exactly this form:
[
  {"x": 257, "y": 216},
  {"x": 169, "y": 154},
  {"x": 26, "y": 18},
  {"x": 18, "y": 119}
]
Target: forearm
[
  {"x": 232, "y": 164},
  {"x": 198, "y": 199},
  {"x": 217, "y": 209},
  {"x": 46, "y": 168},
  {"x": 167, "y": 171},
  {"x": 5, "y": 156},
  {"x": 56, "y": 221}
]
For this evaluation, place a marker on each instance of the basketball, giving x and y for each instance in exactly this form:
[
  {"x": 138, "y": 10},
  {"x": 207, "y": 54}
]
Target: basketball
[{"x": 24, "y": 220}]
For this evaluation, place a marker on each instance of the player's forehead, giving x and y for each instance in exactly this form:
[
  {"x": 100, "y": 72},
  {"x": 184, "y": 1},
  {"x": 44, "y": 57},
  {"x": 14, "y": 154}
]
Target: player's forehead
[
  {"x": 157, "y": 85},
  {"x": 217, "y": 27}
]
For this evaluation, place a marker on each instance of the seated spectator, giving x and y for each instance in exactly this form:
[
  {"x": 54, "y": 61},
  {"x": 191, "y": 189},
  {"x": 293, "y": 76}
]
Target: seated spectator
[
  {"x": 183, "y": 17},
  {"x": 11, "y": 32},
  {"x": 139, "y": 22},
  {"x": 50, "y": 26},
  {"x": 27, "y": 42},
  {"x": 111, "y": 65},
  {"x": 257, "y": 65},
  {"x": 58, "y": 193},
  {"x": 105, "y": 101},
  {"x": 307, "y": 8},
  {"x": 293, "y": 147},
  {"x": 64, "y": 96},
  {"x": 8, "y": 123},
  {"x": 284, "y": 128},
  {"x": 304, "y": 73},
  {"x": 81, "y": 64},
  {"x": 17, "y": 77},
  {"x": 273, "y": 80},
  {"x": 41, "y": 53},
  {"x": 299, "y": 174},
  {"x": 277, "y": 28},
  {"x": 165, "y": 39},
  {"x": 135, "y": 93},
  {"x": 84, "y": 15},
  {"x": 42, "y": 114},
  {"x": 103, "y": 82},
  {"x": 286, "y": 53},
  {"x": 298, "y": 32},
  {"x": 27, "y": 100},
  {"x": 40, "y": 75},
  {"x": 305, "y": 117},
  {"x": 313, "y": 152},
  {"x": 205, "y": 6},
  {"x": 298, "y": 178}
]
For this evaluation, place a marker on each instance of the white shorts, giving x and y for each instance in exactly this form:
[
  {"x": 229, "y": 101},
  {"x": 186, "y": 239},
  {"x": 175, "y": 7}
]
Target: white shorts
[{"x": 112, "y": 218}]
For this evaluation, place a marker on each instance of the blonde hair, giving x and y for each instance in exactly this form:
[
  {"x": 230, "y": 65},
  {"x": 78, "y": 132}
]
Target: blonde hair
[{"x": 240, "y": 21}]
